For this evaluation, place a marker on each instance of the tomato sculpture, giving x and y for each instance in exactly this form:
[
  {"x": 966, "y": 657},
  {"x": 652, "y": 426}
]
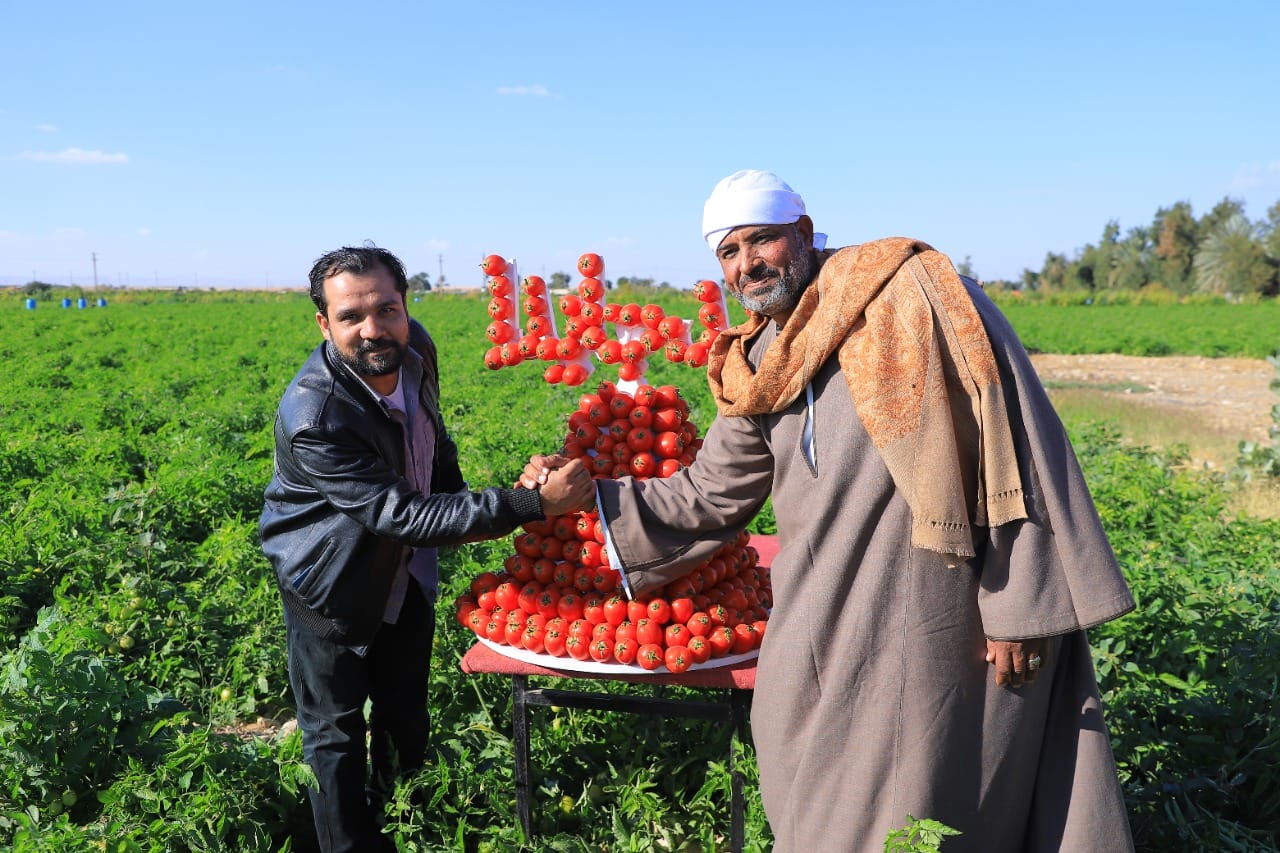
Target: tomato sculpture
[{"x": 557, "y": 595}]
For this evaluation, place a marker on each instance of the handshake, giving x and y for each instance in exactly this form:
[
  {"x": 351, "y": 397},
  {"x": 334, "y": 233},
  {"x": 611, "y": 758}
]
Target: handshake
[{"x": 564, "y": 484}]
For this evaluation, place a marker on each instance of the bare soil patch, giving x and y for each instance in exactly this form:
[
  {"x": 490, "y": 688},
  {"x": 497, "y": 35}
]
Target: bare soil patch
[{"x": 1230, "y": 396}]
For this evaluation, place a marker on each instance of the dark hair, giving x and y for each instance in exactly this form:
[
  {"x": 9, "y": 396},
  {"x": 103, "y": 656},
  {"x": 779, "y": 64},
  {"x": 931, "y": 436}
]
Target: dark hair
[{"x": 360, "y": 260}]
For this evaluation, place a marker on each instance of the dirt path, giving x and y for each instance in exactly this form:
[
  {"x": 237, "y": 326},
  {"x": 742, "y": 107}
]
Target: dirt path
[{"x": 1231, "y": 394}]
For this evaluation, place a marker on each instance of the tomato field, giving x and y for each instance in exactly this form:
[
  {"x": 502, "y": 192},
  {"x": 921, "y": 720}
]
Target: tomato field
[{"x": 143, "y": 632}]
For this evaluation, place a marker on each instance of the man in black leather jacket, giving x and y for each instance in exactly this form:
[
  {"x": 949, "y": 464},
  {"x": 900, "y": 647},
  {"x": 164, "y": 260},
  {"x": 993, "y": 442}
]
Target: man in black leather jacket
[{"x": 366, "y": 484}]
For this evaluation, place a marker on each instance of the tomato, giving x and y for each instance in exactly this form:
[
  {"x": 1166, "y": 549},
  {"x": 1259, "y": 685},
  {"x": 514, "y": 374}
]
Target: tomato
[
  {"x": 533, "y": 285},
  {"x": 643, "y": 464},
  {"x": 604, "y": 631},
  {"x": 615, "y": 610},
  {"x": 659, "y": 610},
  {"x": 495, "y": 631},
  {"x": 695, "y": 355},
  {"x": 553, "y": 641},
  {"x": 593, "y": 607},
  {"x": 651, "y": 315},
  {"x": 577, "y": 647},
  {"x": 621, "y": 453},
  {"x": 675, "y": 350},
  {"x": 568, "y": 348},
  {"x": 590, "y": 264},
  {"x": 681, "y": 609},
  {"x": 667, "y": 419},
  {"x": 633, "y": 352},
  {"x": 493, "y": 265},
  {"x": 678, "y": 659},
  {"x": 624, "y": 650},
  {"x": 648, "y": 631},
  {"x": 574, "y": 374},
  {"x": 580, "y": 628},
  {"x": 513, "y": 634},
  {"x": 501, "y": 308},
  {"x": 652, "y": 340},
  {"x": 510, "y": 353},
  {"x": 562, "y": 576},
  {"x": 675, "y": 634},
  {"x": 583, "y": 580},
  {"x": 477, "y": 620},
  {"x": 569, "y": 607},
  {"x": 499, "y": 285},
  {"x": 606, "y": 580},
  {"x": 553, "y": 374},
  {"x": 707, "y": 291},
  {"x": 745, "y": 638},
  {"x": 552, "y": 548},
  {"x": 593, "y": 337},
  {"x": 602, "y": 465},
  {"x": 570, "y": 304},
  {"x": 507, "y": 595},
  {"x": 671, "y": 328},
  {"x": 626, "y": 630},
  {"x": 640, "y": 416},
  {"x": 650, "y": 656},
  {"x": 610, "y": 352},
  {"x": 589, "y": 556},
  {"x": 544, "y": 569},
  {"x": 483, "y": 582},
  {"x": 548, "y": 602},
  {"x": 592, "y": 314},
  {"x": 699, "y": 649},
  {"x": 760, "y": 625},
  {"x": 640, "y": 439},
  {"x": 668, "y": 445},
  {"x": 591, "y": 289},
  {"x": 493, "y": 358},
  {"x": 620, "y": 406},
  {"x": 629, "y": 315},
  {"x": 721, "y": 641},
  {"x": 668, "y": 468},
  {"x": 601, "y": 651}
]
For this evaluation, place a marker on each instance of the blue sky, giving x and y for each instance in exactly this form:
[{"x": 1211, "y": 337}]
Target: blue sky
[{"x": 230, "y": 144}]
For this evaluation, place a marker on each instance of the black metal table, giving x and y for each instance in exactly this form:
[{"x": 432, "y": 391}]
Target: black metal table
[{"x": 735, "y": 683}]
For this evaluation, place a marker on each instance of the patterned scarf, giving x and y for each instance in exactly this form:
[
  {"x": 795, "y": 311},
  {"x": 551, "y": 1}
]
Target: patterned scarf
[{"x": 922, "y": 374}]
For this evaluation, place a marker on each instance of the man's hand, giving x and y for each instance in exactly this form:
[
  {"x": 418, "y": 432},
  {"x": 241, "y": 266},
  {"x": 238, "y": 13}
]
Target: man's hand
[
  {"x": 1017, "y": 662},
  {"x": 539, "y": 468},
  {"x": 568, "y": 489}
]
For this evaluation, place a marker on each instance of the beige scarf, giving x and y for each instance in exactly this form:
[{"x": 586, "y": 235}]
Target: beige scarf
[{"x": 921, "y": 372}]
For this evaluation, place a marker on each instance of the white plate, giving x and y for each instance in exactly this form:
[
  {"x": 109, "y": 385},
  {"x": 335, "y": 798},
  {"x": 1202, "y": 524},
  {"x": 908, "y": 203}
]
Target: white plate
[{"x": 569, "y": 664}]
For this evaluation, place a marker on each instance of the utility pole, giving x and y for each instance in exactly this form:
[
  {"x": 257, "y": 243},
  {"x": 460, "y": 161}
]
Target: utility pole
[
  {"x": 94, "y": 255},
  {"x": 440, "y": 277}
]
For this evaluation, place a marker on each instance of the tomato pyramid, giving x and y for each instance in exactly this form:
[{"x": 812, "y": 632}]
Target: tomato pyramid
[{"x": 557, "y": 595}]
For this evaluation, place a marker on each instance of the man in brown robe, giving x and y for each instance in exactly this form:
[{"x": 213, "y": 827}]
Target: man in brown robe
[{"x": 940, "y": 555}]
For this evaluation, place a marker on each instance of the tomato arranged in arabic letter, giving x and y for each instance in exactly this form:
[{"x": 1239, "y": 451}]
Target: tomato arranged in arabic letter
[
  {"x": 590, "y": 264},
  {"x": 493, "y": 265},
  {"x": 707, "y": 291}
]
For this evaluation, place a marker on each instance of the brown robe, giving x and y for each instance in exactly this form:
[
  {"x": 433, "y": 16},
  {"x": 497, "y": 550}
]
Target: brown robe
[{"x": 873, "y": 700}]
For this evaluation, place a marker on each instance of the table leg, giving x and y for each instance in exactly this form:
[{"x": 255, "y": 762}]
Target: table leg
[
  {"x": 520, "y": 725},
  {"x": 738, "y": 700}
]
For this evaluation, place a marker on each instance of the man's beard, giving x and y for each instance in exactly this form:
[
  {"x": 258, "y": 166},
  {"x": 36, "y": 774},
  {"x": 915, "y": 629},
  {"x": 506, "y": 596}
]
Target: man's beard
[
  {"x": 784, "y": 294},
  {"x": 367, "y": 361}
]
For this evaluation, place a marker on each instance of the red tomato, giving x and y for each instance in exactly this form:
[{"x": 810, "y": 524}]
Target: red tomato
[
  {"x": 626, "y": 630},
  {"x": 477, "y": 619},
  {"x": 640, "y": 416},
  {"x": 643, "y": 464},
  {"x": 615, "y": 610},
  {"x": 668, "y": 467},
  {"x": 507, "y": 595},
  {"x": 510, "y": 353},
  {"x": 499, "y": 285},
  {"x": 574, "y": 374},
  {"x": 548, "y": 602},
  {"x": 610, "y": 352},
  {"x": 707, "y": 291},
  {"x": 675, "y": 350},
  {"x": 652, "y": 340},
  {"x": 611, "y": 311},
  {"x": 631, "y": 371},
  {"x": 570, "y": 304},
  {"x": 577, "y": 647},
  {"x": 601, "y": 651},
  {"x": 501, "y": 308},
  {"x": 484, "y": 582},
  {"x": 568, "y": 348},
  {"x": 544, "y": 569},
  {"x": 592, "y": 314},
  {"x": 629, "y": 315},
  {"x": 671, "y": 328},
  {"x": 699, "y": 649},
  {"x": 591, "y": 289},
  {"x": 681, "y": 609},
  {"x": 696, "y": 354},
  {"x": 493, "y": 358},
  {"x": 606, "y": 580},
  {"x": 593, "y": 337},
  {"x": 659, "y": 610},
  {"x": 648, "y": 631},
  {"x": 721, "y": 641},
  {"x": 580, "y": 628},
  {"x": 493, "y": 265},
  {"x": 669, "y": 445},
  {"x": 533, "y": 285},
  {"x": 650, "y": 656},
  {"x": 640, "y": 439},
  {"x": 604, "y": 631},
  {"x": 651, "y": 315},
  {"x": 676, "y": 634},
  {"x": 593, "y": 607},
  {"x": 499, "y": 332},
  {"x": 590, "y": 264},
  {"x": 745, "y": 638},
  {"x": 634, "y": 351},
  {"x": 495, "y": 631},
  {"x": 569, "y": 606},
  {"x": 624, "y": 651},
  {"x": 528, "y": 598},
  {"x": 637, "y": 610},
  {"x": 620, "y": 405},
  {"x": 553, "y": 642},
  {"x": 513, "y": 634},
  {"x": 553, "y": 374},
  {"x": 678, "y": 659}
]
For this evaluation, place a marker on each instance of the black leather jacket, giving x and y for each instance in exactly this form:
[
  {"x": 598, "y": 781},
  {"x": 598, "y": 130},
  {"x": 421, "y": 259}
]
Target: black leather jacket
[{"x": 338, "y": 512}]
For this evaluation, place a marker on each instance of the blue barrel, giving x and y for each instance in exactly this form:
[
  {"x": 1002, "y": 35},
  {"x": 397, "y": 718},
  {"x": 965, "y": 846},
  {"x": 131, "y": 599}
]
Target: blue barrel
[
  {"x": 31, "y": 305},
  {"x": 102, "y": 303},
  {"x": 66, "y": 303},
  {"x": 81, "y": 303}
]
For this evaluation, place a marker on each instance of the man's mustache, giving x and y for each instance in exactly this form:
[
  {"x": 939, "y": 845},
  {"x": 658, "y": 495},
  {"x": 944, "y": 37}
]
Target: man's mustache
[
  {"x": 367, "y": 347},
  {"x": 758, "y": 274}
]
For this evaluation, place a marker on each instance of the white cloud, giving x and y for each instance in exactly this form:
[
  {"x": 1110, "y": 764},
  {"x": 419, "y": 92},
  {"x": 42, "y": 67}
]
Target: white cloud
[
  {"x": 47, "y": 128},
  {"x": 537, "y": 91},
  {"x": 1256, "y": 175},
  {"x": 76, "y": 156}
]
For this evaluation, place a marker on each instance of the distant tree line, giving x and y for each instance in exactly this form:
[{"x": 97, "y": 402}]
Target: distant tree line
[{"x": 1221, "y": 253}]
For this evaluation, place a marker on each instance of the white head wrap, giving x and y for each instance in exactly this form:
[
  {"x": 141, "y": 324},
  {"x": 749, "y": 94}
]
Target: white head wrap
[{"x": 751, "y": 197}]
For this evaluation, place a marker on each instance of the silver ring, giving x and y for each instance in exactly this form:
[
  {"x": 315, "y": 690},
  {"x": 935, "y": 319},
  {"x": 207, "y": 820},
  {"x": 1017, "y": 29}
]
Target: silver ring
[{"x": 1033, "y": 662}]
